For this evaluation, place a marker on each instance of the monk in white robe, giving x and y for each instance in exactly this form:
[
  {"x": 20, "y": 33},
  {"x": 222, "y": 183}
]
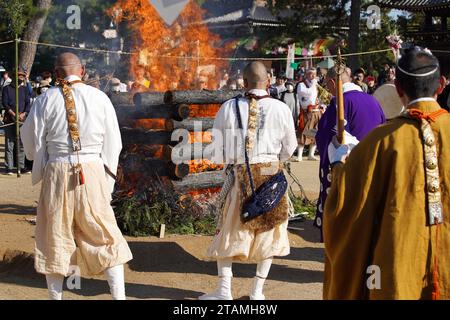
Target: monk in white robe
[
  {"x": 71, "y": 214},
  {"x": 274, "y": 143}
]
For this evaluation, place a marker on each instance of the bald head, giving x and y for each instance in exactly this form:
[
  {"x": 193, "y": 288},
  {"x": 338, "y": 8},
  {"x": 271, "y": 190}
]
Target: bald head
[
  {"x": 346, "y": 74},
  {"x": 255, "y": 76},
  {"x": 68, "y": 64}
]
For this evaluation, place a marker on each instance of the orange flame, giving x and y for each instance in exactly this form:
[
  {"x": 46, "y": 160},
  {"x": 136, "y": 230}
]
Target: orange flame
[
  {"x": 200, "y": 137},
  {"x": 175, "y": 57},
  {"x": 196, "y": 166},
  {"x": 151, "y": 124},
  {"x": 203, "y": 111},
  {"x": 201, "y": 192}
]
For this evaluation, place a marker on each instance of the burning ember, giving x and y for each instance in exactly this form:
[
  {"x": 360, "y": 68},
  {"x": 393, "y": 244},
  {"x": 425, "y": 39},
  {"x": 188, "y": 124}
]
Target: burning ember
[
  {"x": 200, "y": 137},
  {"x": 152, "y": 124},
  {"x": 196, "y": 166},
  {"x": 175, "y": 57},
  {"x": 203, "y": 111},
  {"x": 196, "y": 194}
]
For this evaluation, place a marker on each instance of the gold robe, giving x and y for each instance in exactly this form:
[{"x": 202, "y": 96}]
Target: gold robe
[{"x": 383, "y": 181}]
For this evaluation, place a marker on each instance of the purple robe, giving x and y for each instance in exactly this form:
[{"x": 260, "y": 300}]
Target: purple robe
[{"x": 363, "y": 113}]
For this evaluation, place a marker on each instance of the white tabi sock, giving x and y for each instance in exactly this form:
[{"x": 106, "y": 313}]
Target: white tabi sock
[
  {"x": 225, "y": 275},
  {"x": 262, "y": 271},
  {"x": 116, "y": 281},
  {"x": 300, "y": 152},
  {"x": 55, "y": 286},
  {"x": 312, "y": 151}
]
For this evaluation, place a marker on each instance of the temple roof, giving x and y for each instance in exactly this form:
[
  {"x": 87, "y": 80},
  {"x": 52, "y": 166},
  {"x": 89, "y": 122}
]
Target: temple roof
[{"x": 416, "y": 5}]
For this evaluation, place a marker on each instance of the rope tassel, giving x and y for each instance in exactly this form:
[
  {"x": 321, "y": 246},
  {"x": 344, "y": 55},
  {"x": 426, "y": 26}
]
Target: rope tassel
[{"x": 81, "y": 177}]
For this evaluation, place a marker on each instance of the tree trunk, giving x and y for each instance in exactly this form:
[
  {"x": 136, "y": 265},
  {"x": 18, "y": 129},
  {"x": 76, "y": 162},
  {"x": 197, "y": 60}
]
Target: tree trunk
[
  {"x": 353, "y": 37},
  {"x": 32, "y": 33}
]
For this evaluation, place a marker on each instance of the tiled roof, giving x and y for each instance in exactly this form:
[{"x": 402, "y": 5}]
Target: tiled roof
[{"x": 416, "y": 5}]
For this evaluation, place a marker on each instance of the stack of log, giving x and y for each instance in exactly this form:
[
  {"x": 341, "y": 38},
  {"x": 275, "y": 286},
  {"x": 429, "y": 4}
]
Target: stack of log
[{"x": 148, "y": 120}]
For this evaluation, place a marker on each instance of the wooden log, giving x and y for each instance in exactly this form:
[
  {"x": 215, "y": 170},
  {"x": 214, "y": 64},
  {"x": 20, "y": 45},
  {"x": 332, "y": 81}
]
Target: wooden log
[
  {"x": 138, "y": 136},
  {"x": 148, "y": 98},
  {"x": 153, "y": 167},
  {"x": 194, "y": 151},
  {"x": 200, "y": 96},
  {"x": 121, "y": 99},
  {"x": 191, "y": 123},
  {"x": 196, "y": 181},
  {"x": 177, "y": 112}
]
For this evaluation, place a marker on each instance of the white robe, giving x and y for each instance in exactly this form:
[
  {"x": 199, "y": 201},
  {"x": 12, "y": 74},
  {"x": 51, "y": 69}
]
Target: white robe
[
  {"x": 276, "y": 139},
  {"x": 45, "y": 133},
  {"x": 307, "y": 96}
]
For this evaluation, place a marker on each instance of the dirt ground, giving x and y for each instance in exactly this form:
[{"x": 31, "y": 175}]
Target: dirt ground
[{"x": 171, "y": 268}]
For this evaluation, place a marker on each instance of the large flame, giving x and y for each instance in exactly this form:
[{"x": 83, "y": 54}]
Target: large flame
[{"x": 171, "y": 57}]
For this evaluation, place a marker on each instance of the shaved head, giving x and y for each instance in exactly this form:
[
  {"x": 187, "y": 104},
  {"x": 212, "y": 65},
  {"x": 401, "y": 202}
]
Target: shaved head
[
  {"x": 346, "y": 74},
  {"x": 68, "y": 64},
  {"x": 255, "y": 75}
]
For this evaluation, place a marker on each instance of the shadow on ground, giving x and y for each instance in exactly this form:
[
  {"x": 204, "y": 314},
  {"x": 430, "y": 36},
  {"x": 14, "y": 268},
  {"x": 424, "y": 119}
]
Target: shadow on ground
[
  {"x": 171, "y": 257},
  {"x": 18, "y": 268},
  {"x": 17, "y": 209}
]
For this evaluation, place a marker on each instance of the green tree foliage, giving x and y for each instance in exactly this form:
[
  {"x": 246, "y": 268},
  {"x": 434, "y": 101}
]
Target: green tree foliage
[
  {"x": 94, "y": 21},
  {"x": 14, "y": 17}
]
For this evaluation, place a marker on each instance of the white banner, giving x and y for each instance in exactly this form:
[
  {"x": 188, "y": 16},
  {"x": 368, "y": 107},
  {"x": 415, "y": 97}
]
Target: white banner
[{"x": 290, "y": 59}]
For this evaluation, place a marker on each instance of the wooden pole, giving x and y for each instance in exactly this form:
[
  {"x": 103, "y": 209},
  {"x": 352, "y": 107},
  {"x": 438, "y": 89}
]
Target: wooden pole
[
  {"x": 340, "y": 68},
  {"x": 17, "y": 107}
]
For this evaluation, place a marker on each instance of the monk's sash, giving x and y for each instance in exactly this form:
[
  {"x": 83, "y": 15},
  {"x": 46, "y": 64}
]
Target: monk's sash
[{"x": 72, "y": 121}]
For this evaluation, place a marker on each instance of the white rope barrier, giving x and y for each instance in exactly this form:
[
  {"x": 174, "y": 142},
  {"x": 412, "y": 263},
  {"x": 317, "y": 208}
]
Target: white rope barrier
[
  {"x": 203, "y": 58},
  {"x": 6, "y": 42}
]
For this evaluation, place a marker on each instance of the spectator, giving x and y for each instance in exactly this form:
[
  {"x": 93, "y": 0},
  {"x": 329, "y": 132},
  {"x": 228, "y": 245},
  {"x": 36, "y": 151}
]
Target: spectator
[
  {"x": 223, "y": 81},
  {"x": 117, "y": 86},
  {"x": 9, "y": 103},
  {"x": 359, "y": 79},
  {"x": 5, "y": 80},
  {"x": 231, "y": 84},
  {"x": 47, "y": 76},
  {"x": 371, "y": 85},
  {"x": 383, "y": 74},
  {"x": 44, "y": 85},
  {"x": 290, "y": 98},
  {"x": 390, "y": 77},
  {"x": 279, "y": 87}
]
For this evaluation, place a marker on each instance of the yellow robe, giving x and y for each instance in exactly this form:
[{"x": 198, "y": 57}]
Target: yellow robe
[{"x": 384, "y": 177}]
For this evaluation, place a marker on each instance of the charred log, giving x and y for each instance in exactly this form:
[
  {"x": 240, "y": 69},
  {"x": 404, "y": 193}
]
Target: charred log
[
  {"x": 194, "y": 124},
  {"x": 200, "y": 96},
  {"x": 139, "y": 136},
  {"x": 153, "y": 167},
  {"x": 122, "y": 99},
  {"x": 177, "y": 112},
  {"x": 202, "y": 180},
  {"x": 148, "y": 98}
]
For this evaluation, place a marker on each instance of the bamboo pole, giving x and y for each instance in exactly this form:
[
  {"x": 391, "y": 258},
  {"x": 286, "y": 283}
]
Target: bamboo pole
[
  {"x": 17, "y": 107},
  {"x": 340, "y": 68}
]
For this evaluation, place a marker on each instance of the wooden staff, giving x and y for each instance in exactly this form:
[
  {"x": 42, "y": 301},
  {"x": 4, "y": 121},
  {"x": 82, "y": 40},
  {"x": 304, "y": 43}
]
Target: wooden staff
[{"x": 340, "y": 68}]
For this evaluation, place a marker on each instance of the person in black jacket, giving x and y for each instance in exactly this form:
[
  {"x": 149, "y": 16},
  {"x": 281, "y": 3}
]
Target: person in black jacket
[{"x": 9, "y": 103}]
